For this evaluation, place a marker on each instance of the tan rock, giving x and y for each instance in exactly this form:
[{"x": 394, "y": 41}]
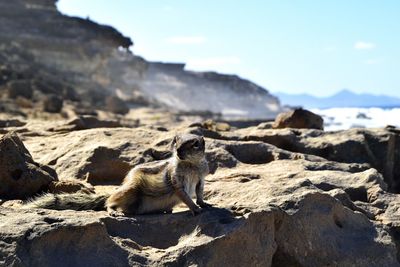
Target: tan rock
[
  {"x": 299, "y": 118},
  {"x": 20, "y": 175},
  {"x": 101, "y": 155},
  {"x": 116, "y": 105}
]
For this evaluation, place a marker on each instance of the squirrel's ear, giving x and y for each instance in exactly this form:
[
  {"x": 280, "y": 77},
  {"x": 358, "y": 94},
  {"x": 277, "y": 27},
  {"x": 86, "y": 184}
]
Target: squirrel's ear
[{"x": 173, "y": 144}]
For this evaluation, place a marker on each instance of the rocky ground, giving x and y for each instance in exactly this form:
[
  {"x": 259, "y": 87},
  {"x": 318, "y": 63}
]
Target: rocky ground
[{"x": 281, "y": 197}]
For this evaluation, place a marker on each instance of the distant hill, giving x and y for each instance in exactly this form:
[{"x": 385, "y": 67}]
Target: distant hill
[{"x": 344, "y": 98}]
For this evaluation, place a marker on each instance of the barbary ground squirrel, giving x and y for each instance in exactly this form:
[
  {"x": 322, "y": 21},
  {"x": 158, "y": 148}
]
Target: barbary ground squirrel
[{"x": 153, "y": 187}]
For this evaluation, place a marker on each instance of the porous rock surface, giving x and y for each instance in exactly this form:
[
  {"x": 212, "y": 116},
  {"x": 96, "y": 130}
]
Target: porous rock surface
[
  {"x": 272, "y": 205},
  {"x": 20, "y": 175}
]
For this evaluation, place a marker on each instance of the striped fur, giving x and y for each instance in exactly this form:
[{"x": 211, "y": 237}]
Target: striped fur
[{"x": 75, "y": 201}]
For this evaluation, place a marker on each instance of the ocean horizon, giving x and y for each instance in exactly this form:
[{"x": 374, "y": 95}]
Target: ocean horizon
[{"x": 340, "y": 118}]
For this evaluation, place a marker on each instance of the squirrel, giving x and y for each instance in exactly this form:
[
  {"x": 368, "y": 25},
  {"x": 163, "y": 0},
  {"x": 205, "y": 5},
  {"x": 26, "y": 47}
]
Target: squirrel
[{"x": 153, "y": 187}]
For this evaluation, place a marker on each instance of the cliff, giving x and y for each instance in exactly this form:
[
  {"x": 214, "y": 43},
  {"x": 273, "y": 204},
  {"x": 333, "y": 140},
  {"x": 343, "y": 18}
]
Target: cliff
[{"x": 95, "y": 59}]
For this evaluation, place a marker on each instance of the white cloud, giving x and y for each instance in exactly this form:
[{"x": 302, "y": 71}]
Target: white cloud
[
  {"x": 212, "y": 62},
  {"x": 186, "y": 40},
  {"x": 364, "y": 45}
]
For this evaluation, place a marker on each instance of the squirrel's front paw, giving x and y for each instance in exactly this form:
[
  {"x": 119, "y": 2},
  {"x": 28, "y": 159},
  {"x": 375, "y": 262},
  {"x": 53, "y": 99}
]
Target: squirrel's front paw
[
  {"x": 203, "y": 204},
  {"x": 115, "y": 213},
  {"x": 195, "y": 210}
]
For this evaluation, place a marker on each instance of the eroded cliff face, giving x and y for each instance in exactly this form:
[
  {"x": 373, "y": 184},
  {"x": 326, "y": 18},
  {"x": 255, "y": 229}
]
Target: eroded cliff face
[
  {"x": 77, "y": 50},
  {"x": 229, "y": 95},
  {"x": 95, "y": 60}
]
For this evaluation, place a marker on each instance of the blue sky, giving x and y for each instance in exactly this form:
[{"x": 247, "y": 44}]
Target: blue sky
[{"x": 292, "y": 46}]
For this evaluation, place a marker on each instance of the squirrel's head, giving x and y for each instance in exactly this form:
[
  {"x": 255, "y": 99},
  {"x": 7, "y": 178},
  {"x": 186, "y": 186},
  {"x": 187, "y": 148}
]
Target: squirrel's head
[{"x": 189, "y": 147}]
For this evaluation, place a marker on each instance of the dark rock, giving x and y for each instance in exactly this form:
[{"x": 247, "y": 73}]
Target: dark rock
[
  {"x": 49, "y": 85},
  {"x": 52, "y": 104},
  {"x": 5, "y": 74},
  {"x": 20, "y": 176},
  {"x": 116, "y": 105},
  {"x": 86, "y": 122},
  {"x": 69, "y": 93},
  {"x": 11, "y": 123},
  {"x": 299, "y": 118},
  {"x": 43, "y": 87},
  {"x": 19, "y": 88},
  {"x": 363, "y": 116}
]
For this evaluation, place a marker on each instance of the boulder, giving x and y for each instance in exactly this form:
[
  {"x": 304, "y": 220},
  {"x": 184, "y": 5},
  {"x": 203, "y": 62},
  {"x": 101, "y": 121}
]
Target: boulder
[
  {"x": 19, "y": 88},
  {"x": 43, "y": 239},
  {"x": 116, "y": 105},
  {"x": 99, "y": 155},
  {"x": 84, "y": 122},
  {"x": 377, "y": 148},
  {"x": 20, "y": 175},
  {"x": 299, "y": 118},
  {"x": 11, "y": 123},
  {"x": 52, "y": 104}
]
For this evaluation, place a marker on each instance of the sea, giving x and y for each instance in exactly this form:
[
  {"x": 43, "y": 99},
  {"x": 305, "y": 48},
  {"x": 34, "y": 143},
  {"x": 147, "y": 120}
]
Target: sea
[{"x": 345, "y": 118}]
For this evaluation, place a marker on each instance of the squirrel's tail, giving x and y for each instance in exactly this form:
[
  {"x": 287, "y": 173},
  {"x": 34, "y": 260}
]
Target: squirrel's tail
[{"x": 75, "y": 201}]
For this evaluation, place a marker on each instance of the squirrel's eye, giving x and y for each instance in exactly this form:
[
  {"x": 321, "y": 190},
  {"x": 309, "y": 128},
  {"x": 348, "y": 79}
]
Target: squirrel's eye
[{"x": 196, "y": 144}]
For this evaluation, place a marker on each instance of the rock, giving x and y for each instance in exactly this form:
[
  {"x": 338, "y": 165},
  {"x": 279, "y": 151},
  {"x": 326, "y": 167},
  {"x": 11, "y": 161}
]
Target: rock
[
  {"x": 5, "y": 74},
  {"x": 281, "y": 183},
  {"x": 100, "y": 155},
  {"x": 275, "y": 204},
  {"x": 24, "y": 103},
  {"x": 378, "y": 148},
  {"x": 213, "y": 126},
  {"x": 362, "y": 116},
  {"x": 86, "y": 122},
  {"x": 274, "y": 211},
  {"x": 49, "y": 85},
  {"x": 116, "y": 105},
  {"x": 20, "y": 176},
  {"x": 69, "y": 93},
  {"x": 19, "y": 88},
  {"x": 340, "y": 223},
  {"x": 299, "y": 118},
  {"x": 45, "y": 238},
  {"x": 11, "y": 123},
  {"x": 52, "y": 104},
  {"x": 233, "y": 97}
]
